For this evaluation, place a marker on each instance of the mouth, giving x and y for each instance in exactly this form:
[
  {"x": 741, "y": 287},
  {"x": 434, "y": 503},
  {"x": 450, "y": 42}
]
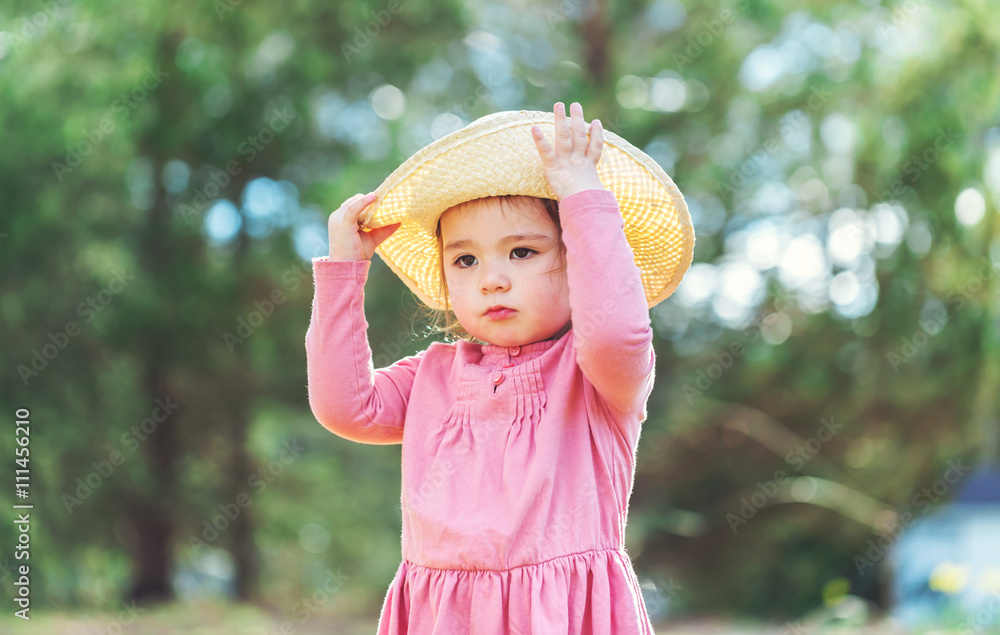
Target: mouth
[{"x": 499, "y": 312}]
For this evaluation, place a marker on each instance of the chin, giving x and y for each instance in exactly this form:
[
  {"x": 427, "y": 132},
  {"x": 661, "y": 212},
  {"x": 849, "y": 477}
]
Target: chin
[{"x": 501, "y": 340}]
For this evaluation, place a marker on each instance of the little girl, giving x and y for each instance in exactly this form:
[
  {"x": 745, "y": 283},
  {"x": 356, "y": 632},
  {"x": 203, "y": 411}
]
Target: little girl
[{"x": 518, "y": 441}]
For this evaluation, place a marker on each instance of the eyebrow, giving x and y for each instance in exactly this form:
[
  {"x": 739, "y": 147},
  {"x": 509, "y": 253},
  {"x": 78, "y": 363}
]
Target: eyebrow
[{"x": 514, "y": 238}]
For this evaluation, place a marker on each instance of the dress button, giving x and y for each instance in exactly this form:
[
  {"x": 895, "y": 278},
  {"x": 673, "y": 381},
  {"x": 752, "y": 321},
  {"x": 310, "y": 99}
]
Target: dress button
[
  {"x": 514, "y": 351},
  {"x": 498, "y": 378}
]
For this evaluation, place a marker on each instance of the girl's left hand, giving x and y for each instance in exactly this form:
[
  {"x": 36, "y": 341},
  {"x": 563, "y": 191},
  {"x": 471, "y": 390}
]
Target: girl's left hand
[{"x": 571, "y": 166}]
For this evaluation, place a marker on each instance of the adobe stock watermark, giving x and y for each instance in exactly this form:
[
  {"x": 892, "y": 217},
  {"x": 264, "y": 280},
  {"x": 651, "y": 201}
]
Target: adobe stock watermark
[
  {"x": 225, "y": 7},
  {"x": 293, "y": 278},
  {"x": 128, "y": 615},
  {"x": 902, "y": 12},
  {"x": 706, "y": 377},
  {"x": 562, "y": 524},
  {"x": 119, "y": 110},
  {"x": 87, "y": 485},
  {"x": 58, "y": 341},
  {"x": 797, "y": 458},
  {"x": 307, "y": 606},
  {"x": 364, "y": 37},
  {"x": 34, "y": 25},
  {"x": 974, "y": 284},
  {"x": 794, "y": 120},
  {"x": 467, "y": 108},
  {"x": 917, "y": 164},
  {"x": 711, "y": 31},
  {"x": 229, "y": 512},
  {"x": 566, "y": 10},
  {"x": 279, "y": 119},
  {"x": 984, "y": 617},
  {"x": 796, "y": 628},
  {"x": 436, "y": 477},
  {"x": 923, "y": 500},
  {"x": 391, "y": 350},
  {"x": 911, "y": 345},
  {"x": 926, "y": 329},
  {"x": 656, "y": 594}
]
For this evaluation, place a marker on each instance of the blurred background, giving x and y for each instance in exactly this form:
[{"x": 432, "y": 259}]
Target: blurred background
[{"x": 823, "y": 442}]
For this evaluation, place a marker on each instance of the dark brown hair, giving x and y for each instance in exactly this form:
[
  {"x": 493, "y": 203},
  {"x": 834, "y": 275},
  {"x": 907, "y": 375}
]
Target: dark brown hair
[{"x": 445, "y": 321}]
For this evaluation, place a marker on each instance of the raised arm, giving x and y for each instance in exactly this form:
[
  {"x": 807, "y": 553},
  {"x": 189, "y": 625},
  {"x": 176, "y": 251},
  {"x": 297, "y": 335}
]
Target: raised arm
[
  {"x": 346, "y": 394},
  {"x": 611, "y": 326}
]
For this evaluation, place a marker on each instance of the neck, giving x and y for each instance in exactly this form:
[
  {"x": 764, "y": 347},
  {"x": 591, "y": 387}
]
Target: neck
[{"x": 565, "y": 329}]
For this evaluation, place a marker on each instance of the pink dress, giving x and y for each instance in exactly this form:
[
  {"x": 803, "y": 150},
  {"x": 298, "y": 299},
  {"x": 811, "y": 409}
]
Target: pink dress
[{"x": 517, "y": 463}]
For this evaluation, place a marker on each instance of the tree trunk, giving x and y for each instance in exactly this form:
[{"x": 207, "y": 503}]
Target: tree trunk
[
  {"x": 152, "y": 515},
  {"x": 151, "y": 561},
  {"x": 985, "y": 413},
  {"x": 596, "y": 38},
  {"x": 240, "y": 391},
  {"x": 152, "y": 512}
]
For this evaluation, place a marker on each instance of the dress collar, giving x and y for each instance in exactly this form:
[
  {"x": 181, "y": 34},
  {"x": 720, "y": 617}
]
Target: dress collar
[{"x": 520, "y": 353}]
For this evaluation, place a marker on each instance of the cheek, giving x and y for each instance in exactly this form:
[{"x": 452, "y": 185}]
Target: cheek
[
  {"x": 457, "y": 290},
  {"x": 557, "y": 281},
  {"x": 559, "y": 287},
  {"x": 455, "y": 283}
]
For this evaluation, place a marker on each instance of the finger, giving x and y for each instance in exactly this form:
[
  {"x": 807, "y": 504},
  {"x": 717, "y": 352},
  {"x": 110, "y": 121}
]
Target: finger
[
  {"x": 543, "y": 146},
  {"x": 347, "y": 206},
  {"x": 355, "y": 205},
  {"x": 577, "y": 127},
  {"x": 563, "y": 140},
  {"x": 381, "y": 233},
  {"x": 596, "y": 145},
  {"x": 364, "y": 201}
]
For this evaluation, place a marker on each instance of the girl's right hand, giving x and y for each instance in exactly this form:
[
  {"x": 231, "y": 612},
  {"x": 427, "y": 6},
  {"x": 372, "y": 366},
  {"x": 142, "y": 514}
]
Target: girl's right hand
[{"x": 347, "y": 240}]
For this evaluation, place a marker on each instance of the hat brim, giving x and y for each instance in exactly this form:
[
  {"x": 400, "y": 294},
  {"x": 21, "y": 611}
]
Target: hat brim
[{"x": 495, "y": 156}]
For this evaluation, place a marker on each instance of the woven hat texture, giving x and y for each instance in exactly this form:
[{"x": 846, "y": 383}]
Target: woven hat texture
[{"x": 496, "y": 155}]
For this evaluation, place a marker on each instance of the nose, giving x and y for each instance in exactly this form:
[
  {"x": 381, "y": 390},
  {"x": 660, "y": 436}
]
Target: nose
[{"x": 493, "y": 277}]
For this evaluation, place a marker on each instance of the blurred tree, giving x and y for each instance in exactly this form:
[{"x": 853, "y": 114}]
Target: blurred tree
[{"x": 166, "y": 173}]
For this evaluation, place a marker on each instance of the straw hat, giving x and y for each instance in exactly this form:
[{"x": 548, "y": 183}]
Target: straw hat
[{"x": 496, "y": 155}]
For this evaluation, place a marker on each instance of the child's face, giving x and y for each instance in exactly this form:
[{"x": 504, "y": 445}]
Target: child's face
[{"x": 486, "y": 272}]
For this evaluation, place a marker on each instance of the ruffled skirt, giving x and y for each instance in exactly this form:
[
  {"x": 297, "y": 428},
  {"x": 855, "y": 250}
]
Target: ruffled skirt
[{"x": 589, "y": 593}]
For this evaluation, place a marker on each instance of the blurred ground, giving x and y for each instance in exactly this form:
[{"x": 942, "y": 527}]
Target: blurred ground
[{"x": 204, "y": 618}]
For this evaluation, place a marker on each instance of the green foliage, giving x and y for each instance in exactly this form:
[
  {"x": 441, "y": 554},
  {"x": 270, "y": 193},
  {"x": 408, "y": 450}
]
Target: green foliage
[{"x": 72, "y": 219}]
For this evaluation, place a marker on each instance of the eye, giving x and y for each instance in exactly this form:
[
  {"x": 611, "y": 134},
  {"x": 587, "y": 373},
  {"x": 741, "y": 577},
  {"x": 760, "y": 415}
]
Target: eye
[
  {"x": 525, "y": 249},
  {"x": 459, "y": 260}
]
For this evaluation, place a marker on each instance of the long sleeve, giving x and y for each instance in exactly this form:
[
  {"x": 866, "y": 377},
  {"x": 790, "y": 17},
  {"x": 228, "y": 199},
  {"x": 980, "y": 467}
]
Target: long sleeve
[
  {"x": 346, "y": 394},
  {"x": 612, "y": 333}
]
